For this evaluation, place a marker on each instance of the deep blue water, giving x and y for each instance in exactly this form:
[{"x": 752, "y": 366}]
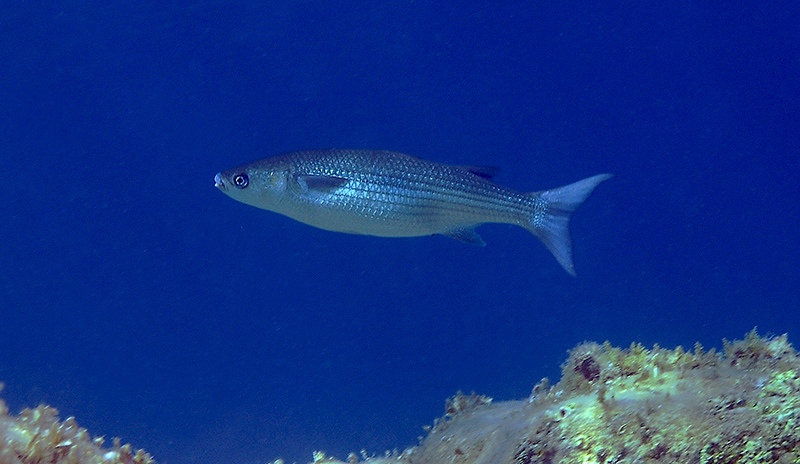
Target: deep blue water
[{"x": 138, "y": 298}]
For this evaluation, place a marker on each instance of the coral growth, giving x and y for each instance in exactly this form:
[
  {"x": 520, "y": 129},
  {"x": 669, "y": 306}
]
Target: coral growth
[
  {"x": 633, "y": 405},
  {"x": 37, "y": 436}
]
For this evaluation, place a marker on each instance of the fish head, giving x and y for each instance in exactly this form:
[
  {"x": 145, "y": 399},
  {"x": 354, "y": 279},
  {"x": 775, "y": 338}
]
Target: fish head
[{"x": 262, "y": 185}]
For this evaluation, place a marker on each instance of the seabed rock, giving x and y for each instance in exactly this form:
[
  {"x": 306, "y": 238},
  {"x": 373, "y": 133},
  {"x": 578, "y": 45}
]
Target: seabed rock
[
  {"x": 631, "y": 405},
  {"x": 36, "y": 436},
  {"x": 612, "y": 405}
]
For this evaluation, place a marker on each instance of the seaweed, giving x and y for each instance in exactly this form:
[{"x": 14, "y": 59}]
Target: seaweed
[
  {"x": 634, "y": 405},
  {"x": 37, "y": 436}
]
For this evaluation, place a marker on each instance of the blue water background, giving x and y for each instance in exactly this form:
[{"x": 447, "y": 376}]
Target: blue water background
[{"x": 138, "y": 298}]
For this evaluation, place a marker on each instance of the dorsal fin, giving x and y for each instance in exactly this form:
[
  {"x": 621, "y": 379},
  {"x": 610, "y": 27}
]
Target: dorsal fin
[{"x": 487, "y": 172}]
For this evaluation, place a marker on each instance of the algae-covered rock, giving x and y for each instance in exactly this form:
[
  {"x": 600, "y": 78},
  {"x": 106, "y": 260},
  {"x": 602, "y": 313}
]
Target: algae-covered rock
[
  {"x": 36, "y": 436},
  {"x": 612, "y": 405},
  {"x": 633, "y": 405}
]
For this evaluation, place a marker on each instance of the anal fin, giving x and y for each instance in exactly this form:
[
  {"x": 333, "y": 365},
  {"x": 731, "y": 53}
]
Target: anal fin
[{"x": 465, "y": 234}]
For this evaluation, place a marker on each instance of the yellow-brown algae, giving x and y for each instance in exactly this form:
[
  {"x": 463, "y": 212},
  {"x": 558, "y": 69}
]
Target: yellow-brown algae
[
  {"x": 36, "y": 436},
  {"x": 634, "y": 405}
]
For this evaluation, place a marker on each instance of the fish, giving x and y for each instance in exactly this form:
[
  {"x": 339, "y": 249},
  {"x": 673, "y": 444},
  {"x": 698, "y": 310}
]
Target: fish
[{"x": 389, "y": 194}]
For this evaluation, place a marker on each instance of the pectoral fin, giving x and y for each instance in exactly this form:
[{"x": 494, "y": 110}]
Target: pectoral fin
[
  {"x": 466, "y": 235},
  {"x": 323, "y": 184}
]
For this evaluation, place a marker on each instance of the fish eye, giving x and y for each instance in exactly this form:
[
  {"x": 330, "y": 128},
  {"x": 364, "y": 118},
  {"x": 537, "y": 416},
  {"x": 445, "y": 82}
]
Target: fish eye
[{"x": 241, "y": 180}]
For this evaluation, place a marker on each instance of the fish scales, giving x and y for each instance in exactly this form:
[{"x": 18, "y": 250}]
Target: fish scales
[
  {"x": 412, "y": 189},
  {"x": 418, "y": 198},
  {"x": 390, "y": 194}
]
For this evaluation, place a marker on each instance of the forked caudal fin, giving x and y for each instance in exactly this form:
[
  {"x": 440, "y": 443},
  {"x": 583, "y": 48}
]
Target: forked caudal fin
[{"x": 550, "y": 218}]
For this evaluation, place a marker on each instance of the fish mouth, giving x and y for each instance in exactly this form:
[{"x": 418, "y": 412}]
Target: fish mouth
[{"x": 219, "y": 183}]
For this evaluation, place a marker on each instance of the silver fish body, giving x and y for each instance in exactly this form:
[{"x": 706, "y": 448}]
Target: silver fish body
[{"x": 390, "y": 194}]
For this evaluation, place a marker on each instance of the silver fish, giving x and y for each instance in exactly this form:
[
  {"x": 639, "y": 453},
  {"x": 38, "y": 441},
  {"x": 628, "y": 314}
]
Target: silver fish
[{"x": 390, "y": 194}]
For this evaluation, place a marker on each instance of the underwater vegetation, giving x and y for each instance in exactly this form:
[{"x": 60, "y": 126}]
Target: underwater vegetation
[
  {"x": 36, "y": 436},
  {"x": 632, "y": 405},
  {"x": 612, "y": 405}
]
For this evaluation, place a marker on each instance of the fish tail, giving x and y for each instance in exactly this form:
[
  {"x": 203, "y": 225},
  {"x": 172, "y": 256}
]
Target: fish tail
[{"x": 551, "y": 213}]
